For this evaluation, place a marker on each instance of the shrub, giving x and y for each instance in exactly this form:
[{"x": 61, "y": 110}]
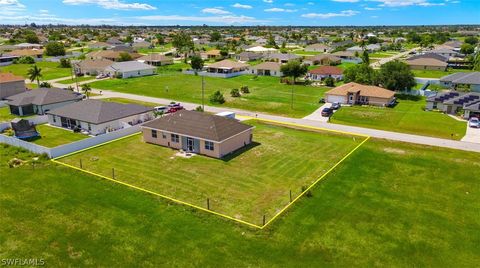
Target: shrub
[
  {"x": 217, "y": 97},
  {"x": 65, "y": 63},
  {"x": 55, "y": 49},
  {"x": 235, "y": 93},
  {"x": 24, "y": 60},
  {"x": 199, "y": 109},
  {"x": 329, "y": 82},
  {"x": 45, "y": 84},
  {"x": 307, "y": 193},
  {"x": 245, "y": 90}
]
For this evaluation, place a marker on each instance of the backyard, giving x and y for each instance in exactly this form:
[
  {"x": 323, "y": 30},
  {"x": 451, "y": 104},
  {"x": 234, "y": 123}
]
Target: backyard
[
  {"x": 50, "y": 70},
  {"x": 267, "y": 94},
  {"x": 55, "y": 136},
  {"x": 437, "y": 73},
  {"x": 389, "y": 204},
  {"x": 407, "y": 116},
  {"x": 253, "y": 182}
]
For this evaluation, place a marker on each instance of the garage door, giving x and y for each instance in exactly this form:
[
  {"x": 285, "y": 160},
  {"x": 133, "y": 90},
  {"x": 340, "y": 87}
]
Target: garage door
[{"x": 334, "y": 98}]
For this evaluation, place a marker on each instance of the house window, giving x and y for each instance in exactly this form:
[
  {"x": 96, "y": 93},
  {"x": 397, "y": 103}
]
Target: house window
[
  {"x": 54, "y": 119},
  {"x": 175, "y": 138},
  {"x": 89, "y": 127},
  {"x": 154, "y": 133},
  {"x": 164, "y": 135},
  {"x": 209, "y": 145}
]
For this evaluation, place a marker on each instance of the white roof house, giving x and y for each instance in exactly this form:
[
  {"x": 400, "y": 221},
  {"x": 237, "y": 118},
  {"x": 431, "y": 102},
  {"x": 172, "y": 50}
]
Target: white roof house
[
  {"x": 261, "y": 49},
  {"x": 127, "y": 69}
]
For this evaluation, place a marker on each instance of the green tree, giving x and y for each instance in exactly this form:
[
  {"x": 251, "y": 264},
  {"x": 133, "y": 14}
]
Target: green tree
[
  {"x": 86, "y": 90},
  {"x": 217, "y": 97},
  {"x": 360, "y": 73},
  {"x": 55, "y": 49},
  {"x": 160, "y": 39},
  {"x": 183, "y": 43},
  {"x": 294, "y": 69},
  {"x": 472, "y": 40},
  {"x": 224, "y": 52},
  {"x": 467, "y": 49},
  {"x": 197, "y": 63},
  {"x": 235, "y": 93},
  {"x": 215, "y": 36},
  {"x": 271, "y": 41},
  {"x": 34, "y": 74},
  {"x": 329, "y": 82},
  {"x": 125, "y": 56},
  {"x": 31, "y": 37},
  {"x": 365, "y": 57},
  {"x": 65, "y": 63},
  {"x": 396, "y": 75},
  {"x": 476, "y": 62}
]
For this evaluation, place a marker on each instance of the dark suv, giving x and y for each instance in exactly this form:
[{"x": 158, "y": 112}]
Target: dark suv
[{"x": 326, "y": 112}]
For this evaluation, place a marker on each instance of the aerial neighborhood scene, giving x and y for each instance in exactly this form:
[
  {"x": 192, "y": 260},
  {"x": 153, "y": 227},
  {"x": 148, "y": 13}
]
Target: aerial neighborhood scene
[{"x": 264, "y": 133}]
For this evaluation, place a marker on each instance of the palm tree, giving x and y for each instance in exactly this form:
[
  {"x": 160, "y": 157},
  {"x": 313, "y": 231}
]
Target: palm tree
[
  {"x": 35, "y": 73},
  {"x": 86, "y": 89}
]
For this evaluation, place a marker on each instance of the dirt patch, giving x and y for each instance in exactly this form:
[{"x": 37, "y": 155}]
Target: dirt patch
[{"x": 394, "y": 150}]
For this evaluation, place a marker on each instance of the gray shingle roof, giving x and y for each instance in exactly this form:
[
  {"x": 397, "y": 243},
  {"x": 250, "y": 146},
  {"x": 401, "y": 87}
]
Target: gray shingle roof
[
  {"x": 472, "y": 78},
  {"x": 129, "y": 66},
  {"x": 43, "y": 96},
  {"x": 97, "y": 112},
  {"x": 199, "y": 125}
]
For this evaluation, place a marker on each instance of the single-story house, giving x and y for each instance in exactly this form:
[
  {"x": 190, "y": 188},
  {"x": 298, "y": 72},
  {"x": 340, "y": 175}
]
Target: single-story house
[
  {"x": 197, "y": 132},
  {"x": 141, "y": 44},
  {"x": 7, "y": 60},
  {"x": 472, "y": 80},
  {"x": 354, "y": 93},
  {"x": 317, "y": 48},
  {"x": 28, "y": 46},
  {"x": 268, "y": 68},
  {"x": 344, "y": 43},
  {"x": 111, "y": 55},
  {"x": 97, "y": 45},
  {"x": 248, "y": 56},
  {"x": 446, "y": 52},
  {"x": 91, "y": 67},
  {"x": 126, "y": 69},
  {"x": 211, "y": 54},
  {"x": 347, "y": 56},
  {"x": 452, "y": 102},
  {"x": 114, "y": 41},
  {"x": 98, "y": 117},
  {"x": 426, "y": 64},
  {"x": 261, "y": 49},
  {"x": 323, "y": 59},
  {"x": 369, "y": 48},
  {"x": 41, "y": 100},
  {"x": 281, "y": 57},
  {"x": 34, "y": 53},
  {"x": 11, "y": 84},
  {"x": 226, "y": 68},
  {"x": 156, "y": 59},
  {"x": 323, "y": 72},
  {"x": 429, "y": 55}
]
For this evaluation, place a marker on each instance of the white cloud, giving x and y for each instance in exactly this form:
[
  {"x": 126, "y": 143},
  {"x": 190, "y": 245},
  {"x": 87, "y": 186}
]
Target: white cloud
[
  {"x": 405, "y": 3},
  {"x": 311, "y": 3},
  {"x": 268, "y": 1},
  {"x": 276, "y": 9},
  {"x": 11, "y": 7},
  {"x": 344, "y": 13},
  {"x": 238, "y": 5},
  {"x": 289, "y": 4},
  {"x": 228, "y": 19},
  {"x": 112, "y": 4},
  {"x": 214, "y": 10},
  {"x": 346, "y": 1},
  {"x": 11, "y": 3},
  {"x": 372, "y": 8}
]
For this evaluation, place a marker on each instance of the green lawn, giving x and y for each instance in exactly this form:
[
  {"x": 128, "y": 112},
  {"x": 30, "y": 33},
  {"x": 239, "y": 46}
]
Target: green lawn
[
  {"x": 129, "y": 101},
  {"x": 252, "y": 183},
  {"x": 383, "y": 54},
  {"x": 437, "y": 73},
  {"x": 175, "y": 67},
  {"x": 156, "y": 49},
  {"x": 54, "y": 136},
  {"x": 407, "y": 117},
  {"x": 306, "y": 53},
  {"x": 74, "y": 80},
  {"x": 345, "y": 65},
  {"x": 389, "y": 204},
  {"x": 5, "y": 114},
  {"x": 267, "y": 93},
  {"x": 50, "y": 70}
]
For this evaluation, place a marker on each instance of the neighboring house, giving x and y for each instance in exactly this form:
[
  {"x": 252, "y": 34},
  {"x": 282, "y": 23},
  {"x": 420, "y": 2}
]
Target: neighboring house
[
  {"x": 99, "y": 45},
  {"x": 225, "y": 68},
  {"x": 28, "y": 46},
  {"x": 341, "y": 44},
  {"x": 453, "y": 102},
  {"x": 447, "y": 53},
  {"x": 34, "y": 53},
  {"x": 211, "y": 54},
  {"x": 354, "y": 93},
  {"x": 470, "y": 80},
  {"x": 197, "y": 132},
  {"x": 426, "y": 64},
  {"x": 111, "y": 55},
  {"x": 369, "y": 48},
  {"x": 347, "y": 56},
  {"x": 261, "y": 49},
  {"x": 454, "y": 45},
  {"x": 11, "y": 84},
  {"x": 126, "y": 69},
  {"x": 323, "y": 72},
  {"x": 156, "y": 59},
  {"x": 317, "y": 48},
  {"x": 267, "y": 68},
  {"x": 91, "y": 67},
  {"x": 7, "y": 60},
  {"x": 41, "y": 100},
  {"x": 141, "y": 44},
  {"x": 281, "y": 57},
  {"x": 114, "y": 41},
  {"x": 98, "y": 117},
  {"x": 322, "y": 59},
  {"x": 248, "y": 56},
  {"x": 429, "y": 55}
]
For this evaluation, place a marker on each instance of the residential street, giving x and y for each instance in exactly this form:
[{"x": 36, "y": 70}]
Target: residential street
[
  {"x": 460, "y": 145},
  {"x": 382, "y": 61}
]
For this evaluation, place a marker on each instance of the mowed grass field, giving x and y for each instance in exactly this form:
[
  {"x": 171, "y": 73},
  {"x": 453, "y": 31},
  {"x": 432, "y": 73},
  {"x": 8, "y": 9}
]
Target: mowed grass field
[
  {"x": 50, "y": 70},
  {"x": 266, "y": 95},
  {"x": 255, "y": 181},
  {"x": 389, "y": 204},
  {"x": 437, "y": 73},
  {"x": 74, "y": 80},
  {"x": 54, "y": 136},
  {"x": 407, "y": 116}
]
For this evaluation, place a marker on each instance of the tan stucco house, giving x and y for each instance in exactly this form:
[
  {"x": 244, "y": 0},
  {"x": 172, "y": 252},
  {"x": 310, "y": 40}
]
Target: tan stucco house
[
  {"x": 354, "y": 93},
  {"x": 197, "y": 132}
]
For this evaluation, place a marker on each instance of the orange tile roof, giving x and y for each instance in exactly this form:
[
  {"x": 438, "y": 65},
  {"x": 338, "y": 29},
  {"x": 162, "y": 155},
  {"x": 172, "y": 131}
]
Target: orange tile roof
[
  {"x": 363, "y": 90},
  {"x": 326, "y": 70},
  {"x": 9, "y": 77}
]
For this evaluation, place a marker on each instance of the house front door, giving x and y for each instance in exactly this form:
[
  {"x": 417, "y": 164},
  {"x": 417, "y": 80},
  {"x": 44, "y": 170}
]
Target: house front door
[
  {"x": 350, "y": 98},
  {"x": 190, "y": 144}
]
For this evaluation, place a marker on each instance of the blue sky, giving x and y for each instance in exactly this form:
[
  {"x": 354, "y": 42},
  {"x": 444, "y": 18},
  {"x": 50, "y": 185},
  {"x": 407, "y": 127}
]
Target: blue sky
[{"x": 241, "y": 12}]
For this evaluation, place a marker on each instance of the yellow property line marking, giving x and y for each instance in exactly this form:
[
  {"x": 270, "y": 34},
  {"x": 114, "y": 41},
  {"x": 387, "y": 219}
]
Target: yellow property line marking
[{"x": 55, "y": 160}]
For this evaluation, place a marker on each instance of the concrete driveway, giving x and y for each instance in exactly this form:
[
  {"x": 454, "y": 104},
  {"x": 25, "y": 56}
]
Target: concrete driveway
[
  {"x": 472, "y": 135},
  {"x": 317, "y": 115}
]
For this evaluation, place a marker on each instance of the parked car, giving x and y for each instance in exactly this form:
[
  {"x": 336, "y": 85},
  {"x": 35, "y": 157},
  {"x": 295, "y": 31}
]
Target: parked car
[
  {"x": 474, "y": 122},
  {"x": 100, "y": 76},
  {"x": 173, "y": 107},
  {"x": 161, "y": 109},
  {"x": 335, "y": 106},
  {"x": 326, "y": 112}
]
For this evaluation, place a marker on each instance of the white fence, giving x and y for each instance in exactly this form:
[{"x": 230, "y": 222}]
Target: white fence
[{"x": 71, "y": 147}]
